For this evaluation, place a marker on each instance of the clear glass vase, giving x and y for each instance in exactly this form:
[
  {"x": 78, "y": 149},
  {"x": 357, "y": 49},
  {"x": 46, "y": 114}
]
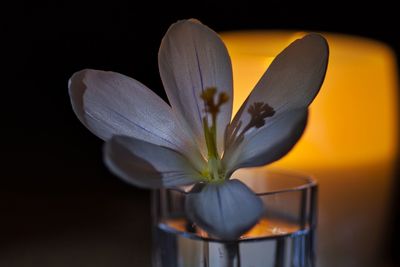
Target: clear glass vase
[{"x": 284, "y": 236}]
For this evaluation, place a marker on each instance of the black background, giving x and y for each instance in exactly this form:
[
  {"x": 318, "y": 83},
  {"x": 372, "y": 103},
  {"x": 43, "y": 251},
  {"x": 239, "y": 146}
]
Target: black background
[{"x": 58, "y": 202}]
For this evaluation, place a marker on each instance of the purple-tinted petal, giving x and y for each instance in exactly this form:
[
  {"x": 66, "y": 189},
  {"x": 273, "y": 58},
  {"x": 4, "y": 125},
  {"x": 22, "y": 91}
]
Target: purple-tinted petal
[
  {"x": 147, "y": 165},
  {"x": 109, "y": 103},
  {"x": 191, "y": 59},
  {"x": 292, "y": 80},
  {"x": 226, "y": 210}
]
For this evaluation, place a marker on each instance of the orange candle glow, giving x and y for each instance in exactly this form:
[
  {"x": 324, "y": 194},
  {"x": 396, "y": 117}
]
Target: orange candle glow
[{"x": 350, "y": 142}]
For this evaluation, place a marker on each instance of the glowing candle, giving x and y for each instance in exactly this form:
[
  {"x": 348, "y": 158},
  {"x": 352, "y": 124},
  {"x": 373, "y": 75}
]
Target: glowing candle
[{"x": 350, "y": 143}]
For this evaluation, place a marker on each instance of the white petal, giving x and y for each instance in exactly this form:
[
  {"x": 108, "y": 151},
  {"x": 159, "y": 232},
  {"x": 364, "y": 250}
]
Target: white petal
[
  {"x": 110, "y": 103},
  {"x": 225, "y": 210},
  {"x": 147, "y": 165},
  {"x": 268, "y": 144},
  {"x": 293, "y": 79},
  {"x": 192, "y": 58}
]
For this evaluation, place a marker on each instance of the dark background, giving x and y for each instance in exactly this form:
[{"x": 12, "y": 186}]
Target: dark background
[{"x": 59, "y": 206}]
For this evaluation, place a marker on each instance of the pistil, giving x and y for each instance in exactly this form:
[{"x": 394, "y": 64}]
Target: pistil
[{"x": 215, "y": 172}]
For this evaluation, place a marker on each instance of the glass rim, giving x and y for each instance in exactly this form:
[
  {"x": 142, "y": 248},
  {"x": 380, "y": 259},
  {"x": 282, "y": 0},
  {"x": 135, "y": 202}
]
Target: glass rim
[
  {"x": 308, "y": 181},
  {"x": 299, "y": 182}
]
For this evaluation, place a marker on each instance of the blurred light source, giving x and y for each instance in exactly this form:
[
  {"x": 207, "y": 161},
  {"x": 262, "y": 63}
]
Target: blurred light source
[{"x": 350, "y": 143}]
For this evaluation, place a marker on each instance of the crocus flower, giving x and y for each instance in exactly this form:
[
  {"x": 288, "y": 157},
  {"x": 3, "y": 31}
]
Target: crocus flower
[{"x": 193, "y": 140}]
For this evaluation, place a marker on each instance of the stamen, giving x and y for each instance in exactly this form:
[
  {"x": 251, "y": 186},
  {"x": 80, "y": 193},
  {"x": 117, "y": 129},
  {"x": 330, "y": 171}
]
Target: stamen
[
  {"x": 223, "y": 98},
  {"x": 208, "y": 97}
]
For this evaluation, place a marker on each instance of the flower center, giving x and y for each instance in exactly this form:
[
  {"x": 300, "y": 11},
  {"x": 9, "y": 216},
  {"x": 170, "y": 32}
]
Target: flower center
[{"x": 215, "y": 171}]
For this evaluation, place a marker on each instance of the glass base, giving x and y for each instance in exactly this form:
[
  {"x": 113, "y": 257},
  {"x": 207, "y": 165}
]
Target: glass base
[{"x": 287, "y": 250}]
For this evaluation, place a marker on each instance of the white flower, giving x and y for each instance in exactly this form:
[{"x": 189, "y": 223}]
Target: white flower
[{"x": 151, "y": 144}]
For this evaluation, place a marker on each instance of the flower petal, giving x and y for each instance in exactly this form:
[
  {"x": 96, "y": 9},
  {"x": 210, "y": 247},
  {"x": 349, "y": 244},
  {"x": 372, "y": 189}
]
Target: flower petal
[
  {"x": 191, "y": 59},
  {"x": 292, "y": 80},
  {"x": 268, "y": 144},
  {"x": 147, "y": 165},
  {"x": 225, "y": 210},
  {"x": 110, "y": 103}
]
